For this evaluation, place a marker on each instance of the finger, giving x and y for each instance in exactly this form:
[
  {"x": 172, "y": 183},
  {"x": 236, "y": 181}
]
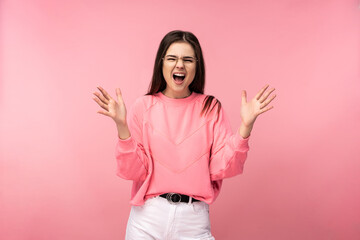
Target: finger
[
  {"x": 101, "y": 104},
  {"x": 267, "y": 102},
  {"x": 119, "y": 95},
  {"x": 106, "y": 95},
  {"x": 261, "y": 92},
  {"x": 263, "y": 98},
  {"x": 103, "y": 113},
  {"x": 243, "y": 97},
  {"x": 265, "y": 109},
  {"x": 101, "y": 97}
]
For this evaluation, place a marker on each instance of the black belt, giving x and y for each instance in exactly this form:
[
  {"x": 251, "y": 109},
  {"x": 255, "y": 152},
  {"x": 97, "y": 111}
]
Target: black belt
[{"x": 176, "y": 198}]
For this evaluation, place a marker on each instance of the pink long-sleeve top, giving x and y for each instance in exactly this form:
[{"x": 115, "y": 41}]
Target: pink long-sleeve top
[{"x": 174, "y": 149}]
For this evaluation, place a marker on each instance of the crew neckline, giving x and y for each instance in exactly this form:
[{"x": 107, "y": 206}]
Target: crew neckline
[{"x": 177, "y": 101}]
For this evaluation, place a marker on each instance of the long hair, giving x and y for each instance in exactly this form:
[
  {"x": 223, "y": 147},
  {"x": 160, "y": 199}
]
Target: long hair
[{"x": 158, "y": 82}]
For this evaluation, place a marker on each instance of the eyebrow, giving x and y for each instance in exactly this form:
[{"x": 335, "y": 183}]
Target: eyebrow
[{"x": 177, "y": 56}]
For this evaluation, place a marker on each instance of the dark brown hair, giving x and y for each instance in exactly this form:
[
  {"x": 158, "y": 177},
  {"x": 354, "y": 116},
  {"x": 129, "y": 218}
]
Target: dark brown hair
[{"x": 158, "y": 82}]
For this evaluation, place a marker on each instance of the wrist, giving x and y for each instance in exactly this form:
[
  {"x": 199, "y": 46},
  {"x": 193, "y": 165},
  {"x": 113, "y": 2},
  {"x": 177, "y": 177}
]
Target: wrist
[
  {"x": 245, "y": 130},
  {"x": 121, "y": 124},
  {"x": 123, "y": 131}
]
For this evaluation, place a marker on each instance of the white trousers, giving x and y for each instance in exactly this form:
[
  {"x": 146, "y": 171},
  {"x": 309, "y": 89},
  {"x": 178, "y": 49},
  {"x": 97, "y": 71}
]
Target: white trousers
[{"x": 158, "y": 219}]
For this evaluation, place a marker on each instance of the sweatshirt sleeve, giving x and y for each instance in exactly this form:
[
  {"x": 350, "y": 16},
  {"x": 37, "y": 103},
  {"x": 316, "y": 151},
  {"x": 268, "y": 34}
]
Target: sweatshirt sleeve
[
  {"x": 131, "y": 157},
  {"x": 228, "y": 151}
]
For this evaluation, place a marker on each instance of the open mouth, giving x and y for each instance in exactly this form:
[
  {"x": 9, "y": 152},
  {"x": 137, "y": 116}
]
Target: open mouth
[{"x": 178, "y": 77}]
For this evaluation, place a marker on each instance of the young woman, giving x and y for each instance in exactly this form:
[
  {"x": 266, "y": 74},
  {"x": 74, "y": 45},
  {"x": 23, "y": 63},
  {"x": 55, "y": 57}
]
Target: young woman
[{"x": 176, "y": 144}]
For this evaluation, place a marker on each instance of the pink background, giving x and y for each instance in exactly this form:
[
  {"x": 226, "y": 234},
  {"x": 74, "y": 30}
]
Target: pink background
[{"x": 57, "y": 168}]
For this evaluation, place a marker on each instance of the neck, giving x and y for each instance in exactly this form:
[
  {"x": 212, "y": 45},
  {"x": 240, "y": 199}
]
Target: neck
[{"x": 177, "y": 96}]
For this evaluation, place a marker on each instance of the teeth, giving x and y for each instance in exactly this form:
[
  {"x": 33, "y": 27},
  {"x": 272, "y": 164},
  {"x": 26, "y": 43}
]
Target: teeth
[{"x": 179, "y": 74}]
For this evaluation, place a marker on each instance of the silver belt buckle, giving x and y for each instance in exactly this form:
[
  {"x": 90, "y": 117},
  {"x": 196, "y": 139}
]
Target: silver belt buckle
[{"x": 169, "y": 198}]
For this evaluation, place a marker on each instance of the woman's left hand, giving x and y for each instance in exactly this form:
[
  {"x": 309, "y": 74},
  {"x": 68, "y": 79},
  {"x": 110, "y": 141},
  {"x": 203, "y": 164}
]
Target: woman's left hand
[{"x": 256, "y": 106}]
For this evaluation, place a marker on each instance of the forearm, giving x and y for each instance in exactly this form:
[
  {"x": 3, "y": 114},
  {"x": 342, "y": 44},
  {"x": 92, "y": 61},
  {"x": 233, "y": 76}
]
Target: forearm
[
  {"x": 123, "y": 131},
  {"x": 245, "y": 130},
  {"x": 131, "y": 160}
]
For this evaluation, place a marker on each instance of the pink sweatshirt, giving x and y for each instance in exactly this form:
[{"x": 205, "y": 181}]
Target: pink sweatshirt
[{"x": 173, "y": 149}]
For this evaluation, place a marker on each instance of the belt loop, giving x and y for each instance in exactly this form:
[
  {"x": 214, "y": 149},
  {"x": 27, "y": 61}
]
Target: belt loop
[{"x": 190, "y": 198}]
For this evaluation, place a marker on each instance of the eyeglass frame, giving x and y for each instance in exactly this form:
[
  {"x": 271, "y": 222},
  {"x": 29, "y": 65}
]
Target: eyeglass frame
[{"x": 177, "y": 58}]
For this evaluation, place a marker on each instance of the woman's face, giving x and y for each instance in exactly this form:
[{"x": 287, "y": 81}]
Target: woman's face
[{"x": 179, "y": 68}]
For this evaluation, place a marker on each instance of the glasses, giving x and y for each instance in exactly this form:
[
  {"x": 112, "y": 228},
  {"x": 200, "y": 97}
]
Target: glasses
[{"x": 172, "y": 60}]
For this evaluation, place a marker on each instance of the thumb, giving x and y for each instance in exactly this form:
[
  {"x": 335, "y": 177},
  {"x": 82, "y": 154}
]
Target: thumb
[
  {"x": 243, "y": 97},
  {"x": 119, "y": 95}
]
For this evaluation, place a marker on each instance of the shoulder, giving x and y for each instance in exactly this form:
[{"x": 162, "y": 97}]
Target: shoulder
[
  {"x": 143, "y": 103},
  {"x": 210, "y": 105},
  {"x": 206, "y": 98}
]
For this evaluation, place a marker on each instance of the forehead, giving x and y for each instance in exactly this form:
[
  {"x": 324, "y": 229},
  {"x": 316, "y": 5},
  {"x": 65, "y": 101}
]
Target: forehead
[{"x": 180, "y": 49}]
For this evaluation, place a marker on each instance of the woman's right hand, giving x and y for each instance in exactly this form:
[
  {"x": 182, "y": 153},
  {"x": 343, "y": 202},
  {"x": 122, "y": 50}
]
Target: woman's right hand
[{"x": 113, "y": 109}]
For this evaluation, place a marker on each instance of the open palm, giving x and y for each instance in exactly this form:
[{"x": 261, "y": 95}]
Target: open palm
[
  {"x": 256, "y": 106},
  {"x": 114, "y": 109}
]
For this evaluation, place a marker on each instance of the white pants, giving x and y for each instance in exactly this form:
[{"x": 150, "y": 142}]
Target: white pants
[{"x": 158, "y": 219}]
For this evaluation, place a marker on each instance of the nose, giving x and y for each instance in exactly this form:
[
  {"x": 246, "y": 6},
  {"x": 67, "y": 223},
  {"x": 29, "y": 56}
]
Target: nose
[{"x": 180, "y": 63}]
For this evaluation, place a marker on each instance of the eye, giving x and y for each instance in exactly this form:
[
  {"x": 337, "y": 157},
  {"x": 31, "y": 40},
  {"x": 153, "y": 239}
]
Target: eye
[{"x": 170, "y": 59}]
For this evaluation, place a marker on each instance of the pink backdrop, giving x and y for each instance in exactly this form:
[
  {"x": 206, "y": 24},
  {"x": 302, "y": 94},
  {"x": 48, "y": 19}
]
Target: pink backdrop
[{"x": 57, "y": 168}]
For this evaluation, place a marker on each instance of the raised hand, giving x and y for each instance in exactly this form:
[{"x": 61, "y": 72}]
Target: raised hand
[
  {"x": 256, "y": 106},
  {"x": 113, "y": 109}
]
